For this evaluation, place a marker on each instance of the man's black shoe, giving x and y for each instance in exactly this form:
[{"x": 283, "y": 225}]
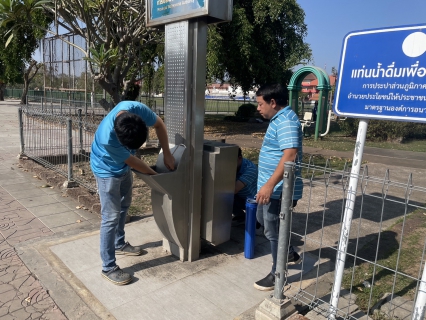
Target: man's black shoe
[
  {"x": 266, "y": 284},
  {"x": 294, "y": 258}
]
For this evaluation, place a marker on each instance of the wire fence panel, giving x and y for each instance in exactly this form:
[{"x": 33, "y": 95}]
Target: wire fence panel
[
  {"x": 46, "y": 140},
  {"x": 212, "y": 106},
  {"x": 385, "y": 244}
]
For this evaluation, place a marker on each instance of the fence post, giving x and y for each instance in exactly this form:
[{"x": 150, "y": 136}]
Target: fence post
[
  {"x": 420, "y": 306},
  {"x": 21, "y": 132},
  {"x": 42, "y": 104},
  {"x": 80, "y": 131},
  {"x": 278, "y": 306},
  {"x": 347, "y": 217},
  {"x": 60, "y": 106},
  {"x": 70, "y": 183},
  {"x": 284, "y": 231}
]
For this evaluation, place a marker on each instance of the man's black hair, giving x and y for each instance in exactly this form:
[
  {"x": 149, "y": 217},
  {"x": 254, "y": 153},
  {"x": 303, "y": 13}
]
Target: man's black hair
[
  {"x": 273, "y": 91},
  {"x": 131, "y": 130}
]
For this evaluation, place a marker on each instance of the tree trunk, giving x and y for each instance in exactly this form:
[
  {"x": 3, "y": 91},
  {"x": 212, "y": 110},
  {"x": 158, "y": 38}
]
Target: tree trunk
[
  {"x": 2, "y": 87},
  {"x": 24, "y": 91}
]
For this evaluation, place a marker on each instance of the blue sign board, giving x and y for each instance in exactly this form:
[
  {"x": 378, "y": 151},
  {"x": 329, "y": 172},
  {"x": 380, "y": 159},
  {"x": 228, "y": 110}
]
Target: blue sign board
[
  {"x": 164, "y": 8},
  {"x": 382, "y": 74}
]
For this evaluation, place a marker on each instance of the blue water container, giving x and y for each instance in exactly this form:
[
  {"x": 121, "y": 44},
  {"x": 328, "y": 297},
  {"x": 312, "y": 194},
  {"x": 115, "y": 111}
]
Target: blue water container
[{"x": 250, "y": 234}]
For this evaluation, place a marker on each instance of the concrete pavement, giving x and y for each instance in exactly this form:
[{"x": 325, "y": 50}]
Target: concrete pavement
[{"x": 50, "y": 265}]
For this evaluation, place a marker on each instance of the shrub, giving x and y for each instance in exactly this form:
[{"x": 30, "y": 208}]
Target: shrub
[
  {"x": 382, "y": 130},
  {"x": 246, "y": 111}
]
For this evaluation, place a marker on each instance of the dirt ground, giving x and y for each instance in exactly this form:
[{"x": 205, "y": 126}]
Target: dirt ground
[{"x": 141, "y": 204}]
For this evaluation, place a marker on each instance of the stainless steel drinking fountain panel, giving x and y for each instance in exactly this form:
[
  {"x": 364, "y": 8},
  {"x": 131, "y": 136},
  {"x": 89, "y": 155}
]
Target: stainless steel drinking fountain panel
[
  {"x": 218, "y": 185},
  {"x": 168, "y": 200}
]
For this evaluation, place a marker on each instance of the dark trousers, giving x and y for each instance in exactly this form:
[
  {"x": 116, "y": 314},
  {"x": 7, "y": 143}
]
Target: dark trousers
[{"x": 239, "y": 206}]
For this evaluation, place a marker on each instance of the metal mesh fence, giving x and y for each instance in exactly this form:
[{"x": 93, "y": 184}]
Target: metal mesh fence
[
  {"x": 212, "y": 106},
  {"x": 385, "y": 245},
  {"x": 65, "y": 68},
  {"x": 60, "y": 142}
]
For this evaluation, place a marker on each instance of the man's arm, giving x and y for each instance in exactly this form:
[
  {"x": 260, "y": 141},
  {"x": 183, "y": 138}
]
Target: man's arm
[
  {"x": 238, "y": 186},
  {"x": 264, "y": 194},
  {"x": 160, "y": 130},
  {"x": 139, "y": 165}
]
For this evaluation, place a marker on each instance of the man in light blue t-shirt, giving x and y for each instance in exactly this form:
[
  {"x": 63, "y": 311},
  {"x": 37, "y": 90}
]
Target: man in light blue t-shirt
[
  {"x": 119, "y": 135},
  {"x": 282, "y": 143}
]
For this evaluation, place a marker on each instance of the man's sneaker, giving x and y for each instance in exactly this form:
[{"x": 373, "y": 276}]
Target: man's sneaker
[
  {"x": 266, "y": 284},
  {"x": 294, "y": 258},
  {"x": 130, "y": 250},
  {"x": 117, "y": 276}
]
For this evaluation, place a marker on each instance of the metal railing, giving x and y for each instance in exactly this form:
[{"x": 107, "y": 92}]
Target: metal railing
[
  {"x": 78, "y": 99},
  {"x": 60, "y": 142},
  {"x": 384, "y": 275}
]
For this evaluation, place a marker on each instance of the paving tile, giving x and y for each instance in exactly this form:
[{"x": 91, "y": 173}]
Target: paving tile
[
  {"x": 48, "y": 209},
  {"x": 142, "y": 308},
  {"x": 6, "y": 182},
  {"x": 237, "y": 266},
  {"x": 11, "y": 205},
  {"x": 4, "y": 287},
  {"x": 111, "y": 295},
  {"x": 88, "y": 215},
  {"x": 37, "y": 201},
  {"x": 219, "y": 289},
  {"x": 34, "y": 235},
  {"x": 19, "y": 186},
  {"x": 83, "y": 226},
  {"x": 26, "y": 193},
  {"x": 186, "y": 303},
  {"x": 73, "y": 254},
  {"x": 60, "y": 219},
  {"x": 16, "y": 215}
]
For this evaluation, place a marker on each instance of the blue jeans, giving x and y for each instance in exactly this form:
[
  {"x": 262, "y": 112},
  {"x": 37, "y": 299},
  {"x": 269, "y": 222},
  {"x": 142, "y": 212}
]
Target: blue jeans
[
  {"x": 115, "y": 194},
  {"x": 268, "y": 215}
]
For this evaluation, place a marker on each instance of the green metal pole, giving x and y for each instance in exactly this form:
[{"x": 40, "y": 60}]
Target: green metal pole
[{"x": 318, "y": 122}]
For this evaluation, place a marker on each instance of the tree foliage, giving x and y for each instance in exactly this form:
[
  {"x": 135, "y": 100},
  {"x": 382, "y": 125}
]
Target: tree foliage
[
  {"x": 17, "y": 45},
  {"x": 262, "y": 43},
  {"x": 115, "y": 35}
]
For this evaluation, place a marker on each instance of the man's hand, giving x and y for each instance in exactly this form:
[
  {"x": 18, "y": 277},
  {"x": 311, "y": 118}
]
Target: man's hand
[
  {"x": 264, "y": 194},
  {"x": 169, "y": 161},
  {"x": 139, "y": 165},
  {"x": 160, "y": 129}
]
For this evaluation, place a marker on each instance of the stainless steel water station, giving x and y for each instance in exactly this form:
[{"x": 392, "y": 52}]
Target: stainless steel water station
[{"x": 195, "y": 200}]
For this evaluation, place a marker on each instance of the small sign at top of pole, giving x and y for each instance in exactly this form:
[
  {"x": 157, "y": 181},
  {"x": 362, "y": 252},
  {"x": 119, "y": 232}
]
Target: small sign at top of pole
[
  {"x": 161, "y": 12},
  {"x": 382, "y": 75}
]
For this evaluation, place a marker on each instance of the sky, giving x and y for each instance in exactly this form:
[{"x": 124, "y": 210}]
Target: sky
[{"x": 329, "y": 21}]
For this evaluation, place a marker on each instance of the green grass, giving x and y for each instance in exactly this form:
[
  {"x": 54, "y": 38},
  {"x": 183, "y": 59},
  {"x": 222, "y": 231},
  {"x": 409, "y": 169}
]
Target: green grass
[
  {"x": 339, "y": 142},
  {"x": 410, "y": 255},
  {"x": 334, "y": 163}
]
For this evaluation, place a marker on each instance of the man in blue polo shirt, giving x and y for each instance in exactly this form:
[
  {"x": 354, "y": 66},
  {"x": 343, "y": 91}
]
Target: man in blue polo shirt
[
  {"x": 117, "y": 138},
  {"x": 282, "y": 143},
  {"x": 245, "y": 187}
]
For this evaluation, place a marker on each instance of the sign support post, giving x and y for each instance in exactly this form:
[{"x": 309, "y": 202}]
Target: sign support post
[
  {"x": 382, "y": 76},
  {"x": 347, "y": 217}
]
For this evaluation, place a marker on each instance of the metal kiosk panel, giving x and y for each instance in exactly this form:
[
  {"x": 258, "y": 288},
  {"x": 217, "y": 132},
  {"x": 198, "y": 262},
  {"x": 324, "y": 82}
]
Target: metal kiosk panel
[{"x": 219, "y": 172}]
